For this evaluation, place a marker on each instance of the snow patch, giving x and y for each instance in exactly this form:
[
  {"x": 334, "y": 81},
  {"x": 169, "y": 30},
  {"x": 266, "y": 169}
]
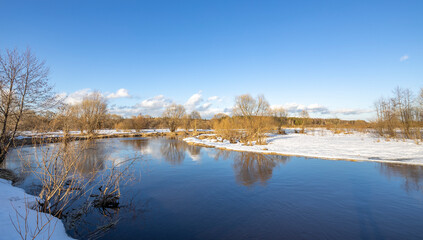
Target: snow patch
[
  {"x": 14, "y": 200},
  {"x": 326, "y": 145}
]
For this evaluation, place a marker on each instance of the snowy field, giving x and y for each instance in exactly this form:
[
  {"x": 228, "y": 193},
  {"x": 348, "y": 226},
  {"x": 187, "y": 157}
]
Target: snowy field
[
  {"x": 327, "y": 145},
  {"x": 15, "y": 201}
]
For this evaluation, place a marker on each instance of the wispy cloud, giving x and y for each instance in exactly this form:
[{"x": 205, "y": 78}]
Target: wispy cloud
[
  {"x": 295, "y": 108},
  {"x": 351, "y": 111},
  {"x": 404, "y": 58}
]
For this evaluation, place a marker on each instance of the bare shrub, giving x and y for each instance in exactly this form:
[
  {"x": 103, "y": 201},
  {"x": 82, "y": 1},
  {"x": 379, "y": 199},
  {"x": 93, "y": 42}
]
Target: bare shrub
[
  {"x": 61, "y": 170},
  {"x": 227, "y": 128},
  {"x": 56, "y": 167}
]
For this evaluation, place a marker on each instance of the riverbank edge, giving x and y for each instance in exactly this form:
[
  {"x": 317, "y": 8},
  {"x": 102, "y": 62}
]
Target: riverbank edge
[
  {"x": 42, "y": 139},
  {"x": 18, "y": 202}
]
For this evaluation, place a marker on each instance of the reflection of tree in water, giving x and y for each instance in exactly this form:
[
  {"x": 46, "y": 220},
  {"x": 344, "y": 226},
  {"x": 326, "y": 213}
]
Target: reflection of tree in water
[
  {"x": 173, "y": 151},
  {"x": 194, "y": 152},
  {"x": 137, "y": 144},
  {"x": 252, "y": 167},
  {"x": 413, "y": 175},
  {"x": 93, "y": 157}
]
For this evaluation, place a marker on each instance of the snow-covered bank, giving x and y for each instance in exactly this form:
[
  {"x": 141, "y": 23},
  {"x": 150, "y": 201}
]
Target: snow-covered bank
[
  {"x": 109, "y": 132},
  {"x": 325, "y": 144},
  {"x": 14, "y": 200},
  {"x": 31, "y": 134}
]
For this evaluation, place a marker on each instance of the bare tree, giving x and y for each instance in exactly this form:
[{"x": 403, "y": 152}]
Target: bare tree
[
  {"x": 254, "y": 113},
  {"x": 280, "y": 117},
  {"x": 140, "y": 122},
  {"x": 186, "y": 122},
  {"x": 247, "y": 106},
  {"x": 195, "y": 116},
  {"x": 403, "y": 104},
  {"x": 398, "y": 112},
  {"x": 23, "y": 86},
  {"x": 305, "y": 118},
  {"x": 66, "y": 119},
  {"x": 92, "y": 111},
  {"x": 173, "y": 115},
  {"x": 386, "y": 117},
  {"x": 419, "y": 114},
  {"x": 420, "y": 105}
]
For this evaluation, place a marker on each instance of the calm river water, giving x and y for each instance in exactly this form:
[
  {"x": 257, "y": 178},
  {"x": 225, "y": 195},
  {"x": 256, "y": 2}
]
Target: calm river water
[{"x": 180, "y": 191}]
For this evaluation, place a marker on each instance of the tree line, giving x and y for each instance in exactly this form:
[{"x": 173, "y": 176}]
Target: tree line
[{"x": 29, "y": 103}]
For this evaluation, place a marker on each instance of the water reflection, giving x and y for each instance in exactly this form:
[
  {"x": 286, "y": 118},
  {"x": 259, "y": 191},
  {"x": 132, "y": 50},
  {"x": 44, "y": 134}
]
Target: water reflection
[
  {"x": 93, "y": 157},
  {"x": 412, "y": 175},
  {"x": 173, "y": 152},
  {"x": 139, "y": 144},
  {"x": 194, "y": 152},
  {"x": 251, "y": 168},
  {"x": 181, "y": 199}
]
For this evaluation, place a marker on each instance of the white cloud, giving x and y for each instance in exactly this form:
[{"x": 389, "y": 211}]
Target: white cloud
[
  {"x": 121, "y": 93},
  {"x": 210, "y": 112},
  {"x": 404, "y": 58},
  {"x": 156, "y": 105},
  {"x": 76, "y": 97},
  {"x": 213, "y": 98},
  {"x": 157, "y": 102},
  {"x": 204, "y": 106},
  {"x": 194, "y": 101}
]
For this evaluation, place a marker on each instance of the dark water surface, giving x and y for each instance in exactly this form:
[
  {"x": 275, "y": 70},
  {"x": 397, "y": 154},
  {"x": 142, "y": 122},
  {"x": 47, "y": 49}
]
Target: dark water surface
[{"x": 186, "y": 192}]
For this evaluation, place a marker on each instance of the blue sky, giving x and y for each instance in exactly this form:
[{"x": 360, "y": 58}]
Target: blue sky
[{"x": 332, "y": 57}]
